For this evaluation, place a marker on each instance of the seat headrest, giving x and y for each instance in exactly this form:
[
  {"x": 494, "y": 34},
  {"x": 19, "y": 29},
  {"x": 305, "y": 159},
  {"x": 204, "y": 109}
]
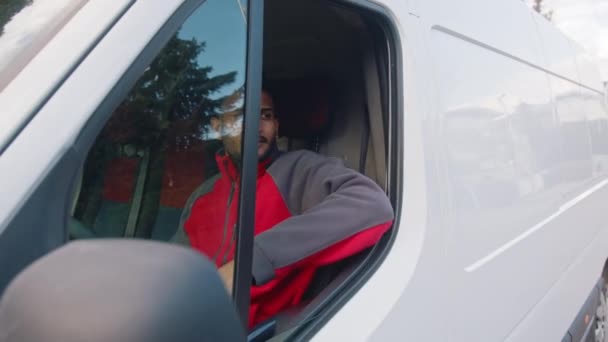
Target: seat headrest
[{"x": 302, "y": 106}]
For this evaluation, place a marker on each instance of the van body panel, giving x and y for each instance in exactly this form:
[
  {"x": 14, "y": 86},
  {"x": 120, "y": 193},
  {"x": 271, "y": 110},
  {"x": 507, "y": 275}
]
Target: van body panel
[{"x": 513, "y": 125}]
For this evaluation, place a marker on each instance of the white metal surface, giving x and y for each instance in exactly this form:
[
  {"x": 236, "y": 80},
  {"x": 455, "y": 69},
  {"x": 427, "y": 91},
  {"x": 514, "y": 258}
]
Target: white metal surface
[
  {"x": 502, "y": 233},
  {"x": 33, "y": 84}
]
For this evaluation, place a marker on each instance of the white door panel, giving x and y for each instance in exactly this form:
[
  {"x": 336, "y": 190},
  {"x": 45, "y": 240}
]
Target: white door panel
[{"x": 29, "y": 89}]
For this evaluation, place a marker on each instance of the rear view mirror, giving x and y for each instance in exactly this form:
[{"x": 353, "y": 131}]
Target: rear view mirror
[{"x": 119, "y": 290}]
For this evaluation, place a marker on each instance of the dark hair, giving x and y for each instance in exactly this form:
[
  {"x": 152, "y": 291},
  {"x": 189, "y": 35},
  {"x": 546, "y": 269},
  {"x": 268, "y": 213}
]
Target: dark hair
[{"x": 267, "y": 87}]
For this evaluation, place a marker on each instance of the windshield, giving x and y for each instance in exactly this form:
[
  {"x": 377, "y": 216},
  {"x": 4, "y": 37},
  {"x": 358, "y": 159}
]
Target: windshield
[{"x": 26, "y": 26}]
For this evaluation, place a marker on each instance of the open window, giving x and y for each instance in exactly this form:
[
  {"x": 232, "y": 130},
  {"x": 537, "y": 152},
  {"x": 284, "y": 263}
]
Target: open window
[
  {"x": 328, "y": 65},
  {"x": 330, "y": 69}
]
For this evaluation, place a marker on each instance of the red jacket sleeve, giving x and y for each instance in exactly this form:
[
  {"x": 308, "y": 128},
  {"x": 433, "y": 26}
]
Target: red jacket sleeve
[{"x": 336, "y": 212}]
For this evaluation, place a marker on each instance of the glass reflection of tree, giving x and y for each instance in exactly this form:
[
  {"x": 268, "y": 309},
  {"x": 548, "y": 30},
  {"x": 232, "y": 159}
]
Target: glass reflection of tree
[
  {"x": 174, "y": 95},
  {"x": 167, "y": 110}
]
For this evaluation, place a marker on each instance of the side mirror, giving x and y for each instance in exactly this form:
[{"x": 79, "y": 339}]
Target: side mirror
[{"x": 119, "y": 290}]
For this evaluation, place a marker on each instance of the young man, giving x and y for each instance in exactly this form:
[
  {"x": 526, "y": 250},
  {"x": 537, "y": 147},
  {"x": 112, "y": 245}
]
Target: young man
[{"x": 310, "y": 211}]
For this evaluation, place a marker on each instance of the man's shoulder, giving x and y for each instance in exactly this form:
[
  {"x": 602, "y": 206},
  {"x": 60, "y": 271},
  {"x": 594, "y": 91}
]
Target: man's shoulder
[
  {"x": 205, "y": 188},
  {"x": 303, "y": 158},
  {"x": 200, "y": 192},
  {"x": 298, "y": 167}
]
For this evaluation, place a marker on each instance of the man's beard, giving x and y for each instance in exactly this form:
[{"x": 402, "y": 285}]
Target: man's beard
[
  {"x": 234, "y": 151},
  {"x": 272, "y": 146},
  {"x": 232, "y": 147}
]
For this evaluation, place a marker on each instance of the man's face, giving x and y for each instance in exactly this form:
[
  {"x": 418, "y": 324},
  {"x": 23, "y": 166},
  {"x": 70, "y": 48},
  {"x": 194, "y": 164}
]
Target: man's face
[
  {"x": 231, "y": 130},
  {"x": 269, "y": 126}
]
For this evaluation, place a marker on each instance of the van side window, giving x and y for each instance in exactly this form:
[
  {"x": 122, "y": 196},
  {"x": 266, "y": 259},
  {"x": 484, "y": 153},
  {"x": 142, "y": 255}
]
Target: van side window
[{"x": 159, "y": 146}]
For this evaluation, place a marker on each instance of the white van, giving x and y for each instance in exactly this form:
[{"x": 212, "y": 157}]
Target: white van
[{"x": 486, "y": 127}]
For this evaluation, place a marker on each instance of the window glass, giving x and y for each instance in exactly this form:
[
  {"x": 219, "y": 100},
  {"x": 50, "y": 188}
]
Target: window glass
[
  {"x": 152, "y": 171},
  {"x": 25, "y": 27}
]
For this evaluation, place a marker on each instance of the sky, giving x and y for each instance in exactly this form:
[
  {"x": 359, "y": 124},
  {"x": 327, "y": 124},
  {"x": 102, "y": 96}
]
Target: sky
[
  {"x": 586, "y": 22},
  {"x": 221, "y": 25}
]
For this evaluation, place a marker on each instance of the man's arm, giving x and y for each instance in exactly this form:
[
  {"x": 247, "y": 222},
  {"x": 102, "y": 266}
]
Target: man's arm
[{"x": 337, "y": 212}]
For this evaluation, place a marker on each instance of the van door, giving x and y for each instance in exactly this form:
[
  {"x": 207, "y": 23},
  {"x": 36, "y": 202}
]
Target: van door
[{"x": 114, "y": 143}]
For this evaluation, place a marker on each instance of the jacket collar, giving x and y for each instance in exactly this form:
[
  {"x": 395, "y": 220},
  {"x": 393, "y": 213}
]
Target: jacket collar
[{"x": 228, "y": 168}]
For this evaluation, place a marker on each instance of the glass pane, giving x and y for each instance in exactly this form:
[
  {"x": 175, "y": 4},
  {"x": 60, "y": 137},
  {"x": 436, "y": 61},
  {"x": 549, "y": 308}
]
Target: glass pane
[
  {"x": 153, "y": 171},
  {"x": 25, "y": 27}
]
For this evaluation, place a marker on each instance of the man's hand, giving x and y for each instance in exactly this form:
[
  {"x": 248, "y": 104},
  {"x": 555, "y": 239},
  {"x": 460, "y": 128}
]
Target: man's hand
[{"x": 227, "y": 275}]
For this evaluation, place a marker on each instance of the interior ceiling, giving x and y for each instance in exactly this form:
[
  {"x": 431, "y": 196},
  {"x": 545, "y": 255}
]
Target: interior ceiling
[{"x": 305, "y": 37}]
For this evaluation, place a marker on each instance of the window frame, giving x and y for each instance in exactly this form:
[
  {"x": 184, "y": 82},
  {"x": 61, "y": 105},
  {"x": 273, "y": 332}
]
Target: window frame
[
  {"x": 392, "y": 94},
  {"x": 249, "y": 142},
  {"x": 391, "y": 84}
]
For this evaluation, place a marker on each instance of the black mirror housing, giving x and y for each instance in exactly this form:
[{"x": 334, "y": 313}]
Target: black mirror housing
[{"x": 119, "y": 290}]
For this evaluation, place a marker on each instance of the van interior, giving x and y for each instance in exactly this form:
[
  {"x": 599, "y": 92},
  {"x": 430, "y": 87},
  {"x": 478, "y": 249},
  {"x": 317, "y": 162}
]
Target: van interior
[
  {"x": 326, "y": 64},
  {"x": 317, "y": 52}
]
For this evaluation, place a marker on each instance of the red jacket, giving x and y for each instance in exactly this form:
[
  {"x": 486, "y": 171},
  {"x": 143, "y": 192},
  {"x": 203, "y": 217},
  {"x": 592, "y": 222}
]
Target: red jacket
[{"x": 310, "y": 211}]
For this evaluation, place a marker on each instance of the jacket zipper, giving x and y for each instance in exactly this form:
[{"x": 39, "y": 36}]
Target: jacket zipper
[
  {"x": 229, "y": 249},
  {"x": 225, "y": 230}
]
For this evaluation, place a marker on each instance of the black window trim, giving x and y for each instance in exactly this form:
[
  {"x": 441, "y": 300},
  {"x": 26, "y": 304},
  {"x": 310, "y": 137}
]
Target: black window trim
[{"x": 249, "y": 141}]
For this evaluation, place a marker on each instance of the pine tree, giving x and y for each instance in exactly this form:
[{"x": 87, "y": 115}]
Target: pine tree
[{"x": 174, "y": 91}]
